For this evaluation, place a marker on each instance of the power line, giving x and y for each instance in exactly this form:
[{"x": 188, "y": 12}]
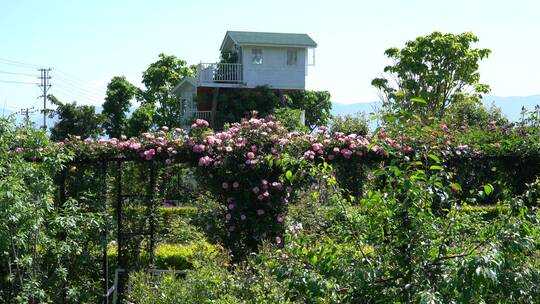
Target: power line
[
  {"x": 76, "y": 97},
  {"x": 77, "y": 92},
  {"x": 18, "y": 82},
  {"x": 19, "y": 63},
  {"x": 84, "y": 84},
  {"x": 19, "y": 74},
  {"x": 76, "y": 79},
  {"x": 76, "y": 87}
]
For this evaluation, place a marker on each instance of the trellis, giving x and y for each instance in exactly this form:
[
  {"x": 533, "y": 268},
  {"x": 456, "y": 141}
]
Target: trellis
[{"x": 114, "y": 166}]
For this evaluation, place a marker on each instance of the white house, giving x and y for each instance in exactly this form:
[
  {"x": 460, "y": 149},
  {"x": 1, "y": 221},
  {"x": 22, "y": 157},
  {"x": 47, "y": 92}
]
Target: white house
[{"x": 249, "y": 59}]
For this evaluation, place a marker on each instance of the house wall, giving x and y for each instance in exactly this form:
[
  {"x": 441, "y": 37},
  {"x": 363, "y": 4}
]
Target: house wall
[
  {"x": 274, "y": 70},
  {"x": 187, "y": 92}
]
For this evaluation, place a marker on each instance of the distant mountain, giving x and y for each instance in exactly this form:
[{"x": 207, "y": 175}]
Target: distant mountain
[
  {"x": 353, "y": 108},
  {"x": 510, "y": 105}
]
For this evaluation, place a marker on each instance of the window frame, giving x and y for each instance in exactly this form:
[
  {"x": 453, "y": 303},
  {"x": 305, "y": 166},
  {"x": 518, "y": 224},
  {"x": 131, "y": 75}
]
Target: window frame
[
  {"x": 292, "y": 51},
  {"x": 254, "y": 52}
]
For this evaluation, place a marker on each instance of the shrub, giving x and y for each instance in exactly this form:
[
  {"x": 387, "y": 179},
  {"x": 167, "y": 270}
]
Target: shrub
[
  {"x": 177, "y": 256},
  {"x": 350, "y": 124},
  {"x": 291, "y": 118}
]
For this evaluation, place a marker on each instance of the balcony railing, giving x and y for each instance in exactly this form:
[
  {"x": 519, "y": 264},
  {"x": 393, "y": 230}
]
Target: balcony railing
[
  {"x": 219, "y": 72},
  {"x": 190, "y": 116}
]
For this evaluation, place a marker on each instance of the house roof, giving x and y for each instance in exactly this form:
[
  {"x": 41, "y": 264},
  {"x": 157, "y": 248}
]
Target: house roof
[
  {"x": 185, "y": 80},
  {"x": 263, "y": 38}
]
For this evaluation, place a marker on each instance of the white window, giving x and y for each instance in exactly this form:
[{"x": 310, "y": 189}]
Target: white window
[
  {"x": 292, "y": 57},
  {"x": 256, "y": 56}
]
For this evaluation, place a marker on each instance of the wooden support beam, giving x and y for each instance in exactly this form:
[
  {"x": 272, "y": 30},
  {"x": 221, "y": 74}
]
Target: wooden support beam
[
  {"x": 152, "y": 210},
  {"x": 215, "y": 95},
  {"x": 103, "y": 176}
]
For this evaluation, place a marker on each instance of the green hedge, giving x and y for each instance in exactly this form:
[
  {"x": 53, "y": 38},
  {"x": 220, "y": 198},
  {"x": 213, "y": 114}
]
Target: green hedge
[
  {"x": 177, "y": 256},
  {"x": 167, "y": 213}
]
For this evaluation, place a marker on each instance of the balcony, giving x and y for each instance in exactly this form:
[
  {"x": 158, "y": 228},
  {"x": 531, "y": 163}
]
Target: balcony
[{"x": 219, "y": 74}]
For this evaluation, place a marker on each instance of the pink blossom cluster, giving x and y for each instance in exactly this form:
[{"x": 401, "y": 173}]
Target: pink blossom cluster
[{"x": 200, "y": 123}]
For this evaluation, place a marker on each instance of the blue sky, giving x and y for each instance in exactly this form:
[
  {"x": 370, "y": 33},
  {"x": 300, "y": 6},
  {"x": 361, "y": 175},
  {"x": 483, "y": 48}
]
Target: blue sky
[{"x": 88, "y": 42}]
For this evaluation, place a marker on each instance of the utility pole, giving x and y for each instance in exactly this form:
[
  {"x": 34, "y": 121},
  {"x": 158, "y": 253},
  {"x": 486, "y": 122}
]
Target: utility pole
[
  {"x": 45, "y": 85},
  {"x": 26, "y": 112}
]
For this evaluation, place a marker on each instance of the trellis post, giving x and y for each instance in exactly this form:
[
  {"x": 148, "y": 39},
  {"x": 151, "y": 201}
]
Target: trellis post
[
  {"x": 103, "y": 175},
  {"x": 152, "y": 210}
]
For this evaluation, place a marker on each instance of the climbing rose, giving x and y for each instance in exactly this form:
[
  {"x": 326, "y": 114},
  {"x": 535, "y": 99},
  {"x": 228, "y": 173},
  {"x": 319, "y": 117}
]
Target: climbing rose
[
  {"x": 316, "y": 146},
  {"x": 199, "y": 148},
  {"x": 148, "y": 154},
  {"x": 251, "y": 155},
  {"x": 205, "y": 161},
  {"x": 346, "y": 153}
]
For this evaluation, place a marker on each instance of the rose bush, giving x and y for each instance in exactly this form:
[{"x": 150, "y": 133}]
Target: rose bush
[{"x": 252, "y": 166}]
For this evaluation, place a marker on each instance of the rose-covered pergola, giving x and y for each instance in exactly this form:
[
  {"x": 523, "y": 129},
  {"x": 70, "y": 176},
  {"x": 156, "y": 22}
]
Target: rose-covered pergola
[{"x": 251, "y": 168}]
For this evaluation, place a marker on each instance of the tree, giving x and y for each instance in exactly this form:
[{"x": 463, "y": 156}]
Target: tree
[
  {"x": 141, "y": 120},
  {"x": 471, "y": 113},
  {"x": 120, "y": 92},
  {"x": 431, "y": 73},
  {"x": 74, "y": 120},
  {"x": 236, "y": 104},
  {"x": 349, "y": 124},
  {"x": 316, "y": 104},
  {"x": 159, "y": 79},
  {"x": 291, "y": 119}
]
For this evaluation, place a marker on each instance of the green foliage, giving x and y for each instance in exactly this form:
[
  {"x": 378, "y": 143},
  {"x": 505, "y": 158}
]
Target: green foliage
[
  {"x": 178, "y": 256},
  {"x": 141, "y": 120},
  {"x": 48, "y": 255},
  {"x": 285, "y": 205},
  {"x": 316, "y": 104},
  {"x": 119, "y": 93},
  {"x": 472, "y": 113},
  {"x": 290, "y": 118},
  {"x": 438, "y": 70},
  {"x": 350, "y": 124},
  {"x": 159, "y": 80},
  {"x": 175, "y": 256},
  {"x": 229, "y": 57},
  {"x": 74, "y": 120},
  {"x": 206, "y": 284},
  {"x": 233, "y": 105}
]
